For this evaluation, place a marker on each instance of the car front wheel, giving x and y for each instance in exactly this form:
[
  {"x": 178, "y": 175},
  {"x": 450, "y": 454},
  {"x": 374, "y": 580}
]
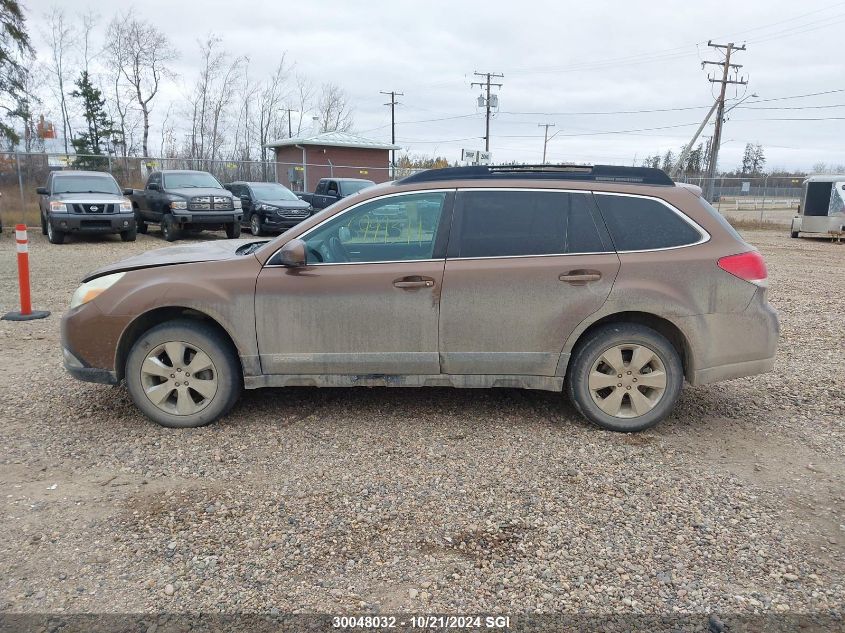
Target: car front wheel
[
  {"x": 54, "y": 236},
  {"x": 255, "y": 225},
  {"x": 183, "y": 374},
  {"x": 625, "y": 377}
]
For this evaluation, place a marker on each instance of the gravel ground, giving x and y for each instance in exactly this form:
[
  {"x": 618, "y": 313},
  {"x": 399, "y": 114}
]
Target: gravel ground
[{"x": 426, "y": 500}]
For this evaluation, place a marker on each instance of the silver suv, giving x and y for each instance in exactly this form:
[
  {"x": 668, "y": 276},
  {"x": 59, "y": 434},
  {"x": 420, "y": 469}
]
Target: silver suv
[{"x": 84, "y": 202}]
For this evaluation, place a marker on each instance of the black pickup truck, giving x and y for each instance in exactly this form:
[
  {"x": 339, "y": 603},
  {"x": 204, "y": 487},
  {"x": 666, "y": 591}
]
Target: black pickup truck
[
  {"x": 330, "y": 190},
  {"x": 186, "y": 200}
]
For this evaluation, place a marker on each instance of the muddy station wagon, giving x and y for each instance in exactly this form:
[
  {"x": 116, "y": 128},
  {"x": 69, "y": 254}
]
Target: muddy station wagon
[{"x": 612, "y": 284}]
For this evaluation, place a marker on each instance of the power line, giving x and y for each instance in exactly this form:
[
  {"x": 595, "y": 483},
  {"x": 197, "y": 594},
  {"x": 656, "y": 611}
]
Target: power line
[{"x": 487, "y": 101}]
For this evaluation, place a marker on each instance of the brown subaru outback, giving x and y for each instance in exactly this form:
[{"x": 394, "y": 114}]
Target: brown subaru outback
[{"x": 613, "y": 284}]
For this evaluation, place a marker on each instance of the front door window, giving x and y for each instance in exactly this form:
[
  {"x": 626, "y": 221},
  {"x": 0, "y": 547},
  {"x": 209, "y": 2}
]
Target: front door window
[{"x": 397, "y": 228}]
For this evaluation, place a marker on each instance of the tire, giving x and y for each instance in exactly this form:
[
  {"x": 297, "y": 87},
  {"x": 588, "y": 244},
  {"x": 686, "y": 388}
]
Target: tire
[
  {"x": 43, "y": 226},
  {"x": 221, "y": 377},
  {"x": 256, "y": 227},
  {"x": 169, "y": 230},
  {"x": 793, "y": 234},
  {"x": 130, "y": 234},
  {"x": 233, "y": 230},
  {"x": 629, "y": 339},
  {"x": 54, "y": 236},
  {"x": 140, "y": 225}
]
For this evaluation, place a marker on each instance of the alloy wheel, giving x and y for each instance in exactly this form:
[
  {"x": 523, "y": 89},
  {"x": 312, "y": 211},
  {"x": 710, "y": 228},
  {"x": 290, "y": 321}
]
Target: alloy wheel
[
  {"x": 627, "y": 380},
  {"x": 179, "y": 378}
]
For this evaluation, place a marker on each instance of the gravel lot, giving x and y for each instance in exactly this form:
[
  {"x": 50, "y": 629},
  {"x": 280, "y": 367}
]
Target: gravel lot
[{"x": 427, "y": 500}]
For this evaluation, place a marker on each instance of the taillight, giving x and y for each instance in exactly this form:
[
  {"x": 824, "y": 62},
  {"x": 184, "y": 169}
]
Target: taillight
[{"x": 748, "y": 266}]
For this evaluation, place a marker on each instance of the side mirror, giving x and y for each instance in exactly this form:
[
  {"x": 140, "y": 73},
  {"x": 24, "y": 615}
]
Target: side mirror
[
  {"x": 42, "y": 191},
  {"x": 128, "y": 192},
  {"x": 154, "y": 186},
  {"x": 245, "y": 199},
  {"x": 292, "y": 254}
]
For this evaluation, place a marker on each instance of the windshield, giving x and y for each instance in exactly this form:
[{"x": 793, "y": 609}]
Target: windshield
[
  {"x": 85, "y": 184},
  {"x": 188, "y": 180},
  {"x": 354, "y": 186},
  {"x": 272, "y": 191}
]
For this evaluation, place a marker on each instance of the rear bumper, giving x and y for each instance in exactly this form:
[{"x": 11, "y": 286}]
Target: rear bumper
[
  {"x": 732, "y": 370},
  {"x": 92, "y": 223},
  {"x": 732, "y": 345}
]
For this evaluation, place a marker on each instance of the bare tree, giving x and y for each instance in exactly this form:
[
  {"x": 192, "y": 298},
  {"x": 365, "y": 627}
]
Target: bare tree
[
  {"x": 59, "y": 41},
  {"x": 88, "y": 21},
  {"x": 213, "y": 95},
  {"x": 142, "y": 53},
  {"x": 304, "y": 97},
  {"x": 269, "y": 104},
  {"x": 333, "y": 110}
]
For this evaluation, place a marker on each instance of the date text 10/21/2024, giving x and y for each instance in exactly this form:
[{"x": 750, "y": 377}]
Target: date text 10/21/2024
[{"x": 422, "y": 622}]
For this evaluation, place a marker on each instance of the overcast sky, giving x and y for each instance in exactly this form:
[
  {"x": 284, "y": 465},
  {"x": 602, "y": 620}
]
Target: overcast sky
[{"x": 574, "y": 64}]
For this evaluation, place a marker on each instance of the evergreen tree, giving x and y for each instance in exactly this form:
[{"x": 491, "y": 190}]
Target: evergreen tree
[
  {"x": 747, "y": 159},
  {"x": 14, "y": 49},
  {"x": 93, "y": 144}
]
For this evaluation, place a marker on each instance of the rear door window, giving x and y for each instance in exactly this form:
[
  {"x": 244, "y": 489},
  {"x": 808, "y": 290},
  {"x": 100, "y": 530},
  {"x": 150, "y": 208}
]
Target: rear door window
[
  {"x": 517, "y": 223},
  {"x": 640, "y": 224}
]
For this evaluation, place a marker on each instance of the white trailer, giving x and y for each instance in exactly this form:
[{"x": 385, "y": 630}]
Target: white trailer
[{"x": 822, "y": 209}]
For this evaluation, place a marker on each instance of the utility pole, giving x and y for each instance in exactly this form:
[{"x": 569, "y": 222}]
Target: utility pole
[
  {"x": 290, "y": 127},
  {"x": 392, "y": 103},
  {"x": 720, "y": 108},
  {"x": 487, "y": 84},
  {"x": 545, "y": 137}
]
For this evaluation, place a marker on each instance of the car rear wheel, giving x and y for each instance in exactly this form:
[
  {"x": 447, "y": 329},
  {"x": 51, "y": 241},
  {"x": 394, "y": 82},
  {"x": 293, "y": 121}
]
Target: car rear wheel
[
  {"x": 625, "y": 377},
  {"x": 255, "y": 225},
  {"x": 169, "y": 230},
  {"x": 140, "y": 225},
  {"x": 183, "y": 374},
  {"x": 54, "y": 236}
]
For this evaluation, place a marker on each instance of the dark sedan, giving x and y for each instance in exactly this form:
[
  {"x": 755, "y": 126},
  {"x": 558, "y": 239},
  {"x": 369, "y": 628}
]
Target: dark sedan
[{"x": 269, "y": 206}]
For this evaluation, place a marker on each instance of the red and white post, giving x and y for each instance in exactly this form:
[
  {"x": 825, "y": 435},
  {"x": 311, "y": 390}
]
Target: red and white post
[{"x": 26, "y": 312}]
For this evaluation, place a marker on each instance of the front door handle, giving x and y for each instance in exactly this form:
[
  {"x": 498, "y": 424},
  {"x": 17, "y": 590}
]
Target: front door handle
[
  {"x": 409, "y": 283},
  {"x": 580, "y": 277}
]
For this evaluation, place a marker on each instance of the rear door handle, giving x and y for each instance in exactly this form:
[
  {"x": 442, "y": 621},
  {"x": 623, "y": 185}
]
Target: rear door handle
[
  {"x": 407, "y": 283},
  {"x": 579, "y": 277}
]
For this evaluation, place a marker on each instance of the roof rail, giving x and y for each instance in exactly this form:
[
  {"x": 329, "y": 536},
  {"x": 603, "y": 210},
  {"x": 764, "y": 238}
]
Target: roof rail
[{"x": 598, "y": 173}]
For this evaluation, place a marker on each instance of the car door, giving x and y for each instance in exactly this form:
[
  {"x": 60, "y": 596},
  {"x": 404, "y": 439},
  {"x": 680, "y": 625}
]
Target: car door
[
  {"x": 524, "y": 268},
  {"x": 367, "y": 302},
  {"x": 153, "y": 197}
]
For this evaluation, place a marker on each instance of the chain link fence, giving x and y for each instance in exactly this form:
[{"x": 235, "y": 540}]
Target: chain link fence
[
  {"x": 21, "y": 173},
  {"x": 763, "y": 198}
]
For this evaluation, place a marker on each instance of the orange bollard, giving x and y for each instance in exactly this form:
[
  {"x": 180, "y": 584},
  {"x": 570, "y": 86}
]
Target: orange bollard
[{"x": 26, "y": 312}]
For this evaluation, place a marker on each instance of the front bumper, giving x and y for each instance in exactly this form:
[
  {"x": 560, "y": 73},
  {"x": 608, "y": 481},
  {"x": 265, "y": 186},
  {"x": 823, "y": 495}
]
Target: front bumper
[
  {"x": 80, "y": 371},
  {"x": 207, "y": 218},
  {"x": 92, "y": 223},
  {"x": 273, "y": 222}
]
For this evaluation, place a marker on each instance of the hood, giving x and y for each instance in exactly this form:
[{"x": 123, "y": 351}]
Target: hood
[
  {"x": 190, "y": 192},
  {"x": 285, "y": 204},
  {"x": 192, "y": 253},
  {"x": 86, "y": 197}
]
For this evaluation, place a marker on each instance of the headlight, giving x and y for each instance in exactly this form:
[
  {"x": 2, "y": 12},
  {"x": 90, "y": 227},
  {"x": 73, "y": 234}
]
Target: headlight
[
  {"x": 93, "y": 289},
  {"x": 237, "y": 203},
  {"x": 179, "y": 204},
  {"x": 265, "y": 207},
  {"x": 126, "y": 206},
  {"x": 58, "y": 207}
]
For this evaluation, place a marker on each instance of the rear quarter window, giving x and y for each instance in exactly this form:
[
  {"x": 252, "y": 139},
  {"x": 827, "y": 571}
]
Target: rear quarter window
[{"x": 639, "y": 224}]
